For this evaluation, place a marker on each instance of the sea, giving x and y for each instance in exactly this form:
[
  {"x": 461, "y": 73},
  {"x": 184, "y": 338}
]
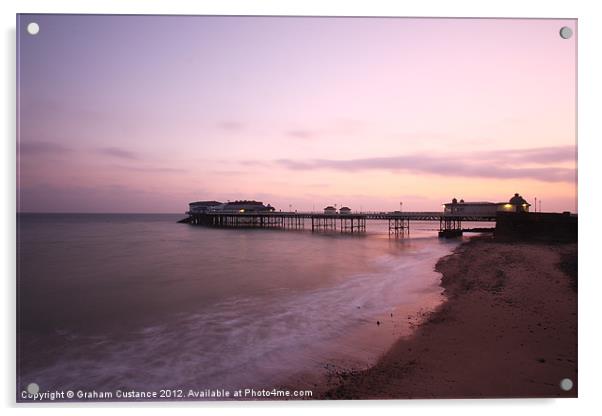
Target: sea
[{"x": 141, "y": 302}]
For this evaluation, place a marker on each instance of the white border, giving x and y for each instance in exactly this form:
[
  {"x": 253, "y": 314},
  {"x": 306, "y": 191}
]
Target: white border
[{"x": 590, "y": 68}]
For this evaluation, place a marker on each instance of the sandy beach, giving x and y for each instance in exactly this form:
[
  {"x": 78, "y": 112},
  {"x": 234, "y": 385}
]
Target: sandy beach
[{"x": 508, "y": 329}]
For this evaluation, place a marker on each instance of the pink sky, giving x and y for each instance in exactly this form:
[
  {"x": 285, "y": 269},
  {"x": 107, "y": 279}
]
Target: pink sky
[{"x": 147, "y": 113}]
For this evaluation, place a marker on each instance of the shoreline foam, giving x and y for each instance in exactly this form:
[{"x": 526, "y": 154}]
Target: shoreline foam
[{"x": 507, "y": 329}]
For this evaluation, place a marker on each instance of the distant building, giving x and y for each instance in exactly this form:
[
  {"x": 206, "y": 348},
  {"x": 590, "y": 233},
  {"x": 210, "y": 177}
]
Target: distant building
[
  {"x": 201, "y": 207},
  {"x": 330, "y": 210},
  {"x": 516, "y": 204},
  {"x": 345, "y": 210},
  {"x": 470, "y": 208},
  {"x": 247, "y": 206}
]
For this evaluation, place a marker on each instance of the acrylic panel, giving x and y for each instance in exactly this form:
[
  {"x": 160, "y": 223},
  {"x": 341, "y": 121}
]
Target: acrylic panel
[{"x": 295, "y": 208}]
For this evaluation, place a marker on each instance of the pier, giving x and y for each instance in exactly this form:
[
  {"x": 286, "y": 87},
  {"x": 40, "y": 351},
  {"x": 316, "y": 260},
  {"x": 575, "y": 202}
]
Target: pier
[{"x": 450, "y": 225}]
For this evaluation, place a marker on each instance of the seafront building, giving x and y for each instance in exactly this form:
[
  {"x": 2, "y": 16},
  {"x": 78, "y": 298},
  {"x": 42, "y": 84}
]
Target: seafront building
[
  {"x": 516, "y": 204},
  {"x": 203, "y": 207}
]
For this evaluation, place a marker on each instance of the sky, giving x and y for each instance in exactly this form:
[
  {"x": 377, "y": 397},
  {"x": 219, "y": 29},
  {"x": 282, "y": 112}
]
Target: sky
[{"x": 148, "y": 113}]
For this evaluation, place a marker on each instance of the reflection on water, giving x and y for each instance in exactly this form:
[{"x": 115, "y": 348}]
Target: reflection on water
[{"x": 108, "y": 301}]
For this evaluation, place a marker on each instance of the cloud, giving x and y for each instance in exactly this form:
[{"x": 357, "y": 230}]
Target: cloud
[
  {"x": 47, "y": 197},
  {"x": 541, "y": 155},
  {"x": 301, "y": 134},
  {"x": 504, "y": 164},
  {"x": 261, "y": 163},
  {"x": 118, "y": 152},
  {"x": 230, "y": 125},
  {"x": 150, "y": 169},
  {"x": 228, "y": 172},
  {"x": 41, "y": 148}
]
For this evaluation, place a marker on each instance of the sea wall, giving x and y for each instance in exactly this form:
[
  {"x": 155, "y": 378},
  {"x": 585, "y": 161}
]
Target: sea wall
[{"x": 536, "y": 226}]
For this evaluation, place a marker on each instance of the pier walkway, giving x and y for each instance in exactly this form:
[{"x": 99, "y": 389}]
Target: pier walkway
[{"x": 450, "y": 225}]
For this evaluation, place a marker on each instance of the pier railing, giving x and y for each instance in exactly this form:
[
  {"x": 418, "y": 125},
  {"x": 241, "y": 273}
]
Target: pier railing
[{"x": 450, "y": 224}]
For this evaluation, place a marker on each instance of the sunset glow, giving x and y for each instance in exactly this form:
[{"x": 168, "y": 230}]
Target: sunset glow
[{"x": 148, "y": 113}]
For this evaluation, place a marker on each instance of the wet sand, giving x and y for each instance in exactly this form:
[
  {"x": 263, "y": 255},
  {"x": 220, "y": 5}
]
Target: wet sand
[{"x": 508, "y": 329}]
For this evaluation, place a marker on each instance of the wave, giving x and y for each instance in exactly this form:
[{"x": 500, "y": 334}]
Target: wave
[{"x": 246, "y": 341}]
